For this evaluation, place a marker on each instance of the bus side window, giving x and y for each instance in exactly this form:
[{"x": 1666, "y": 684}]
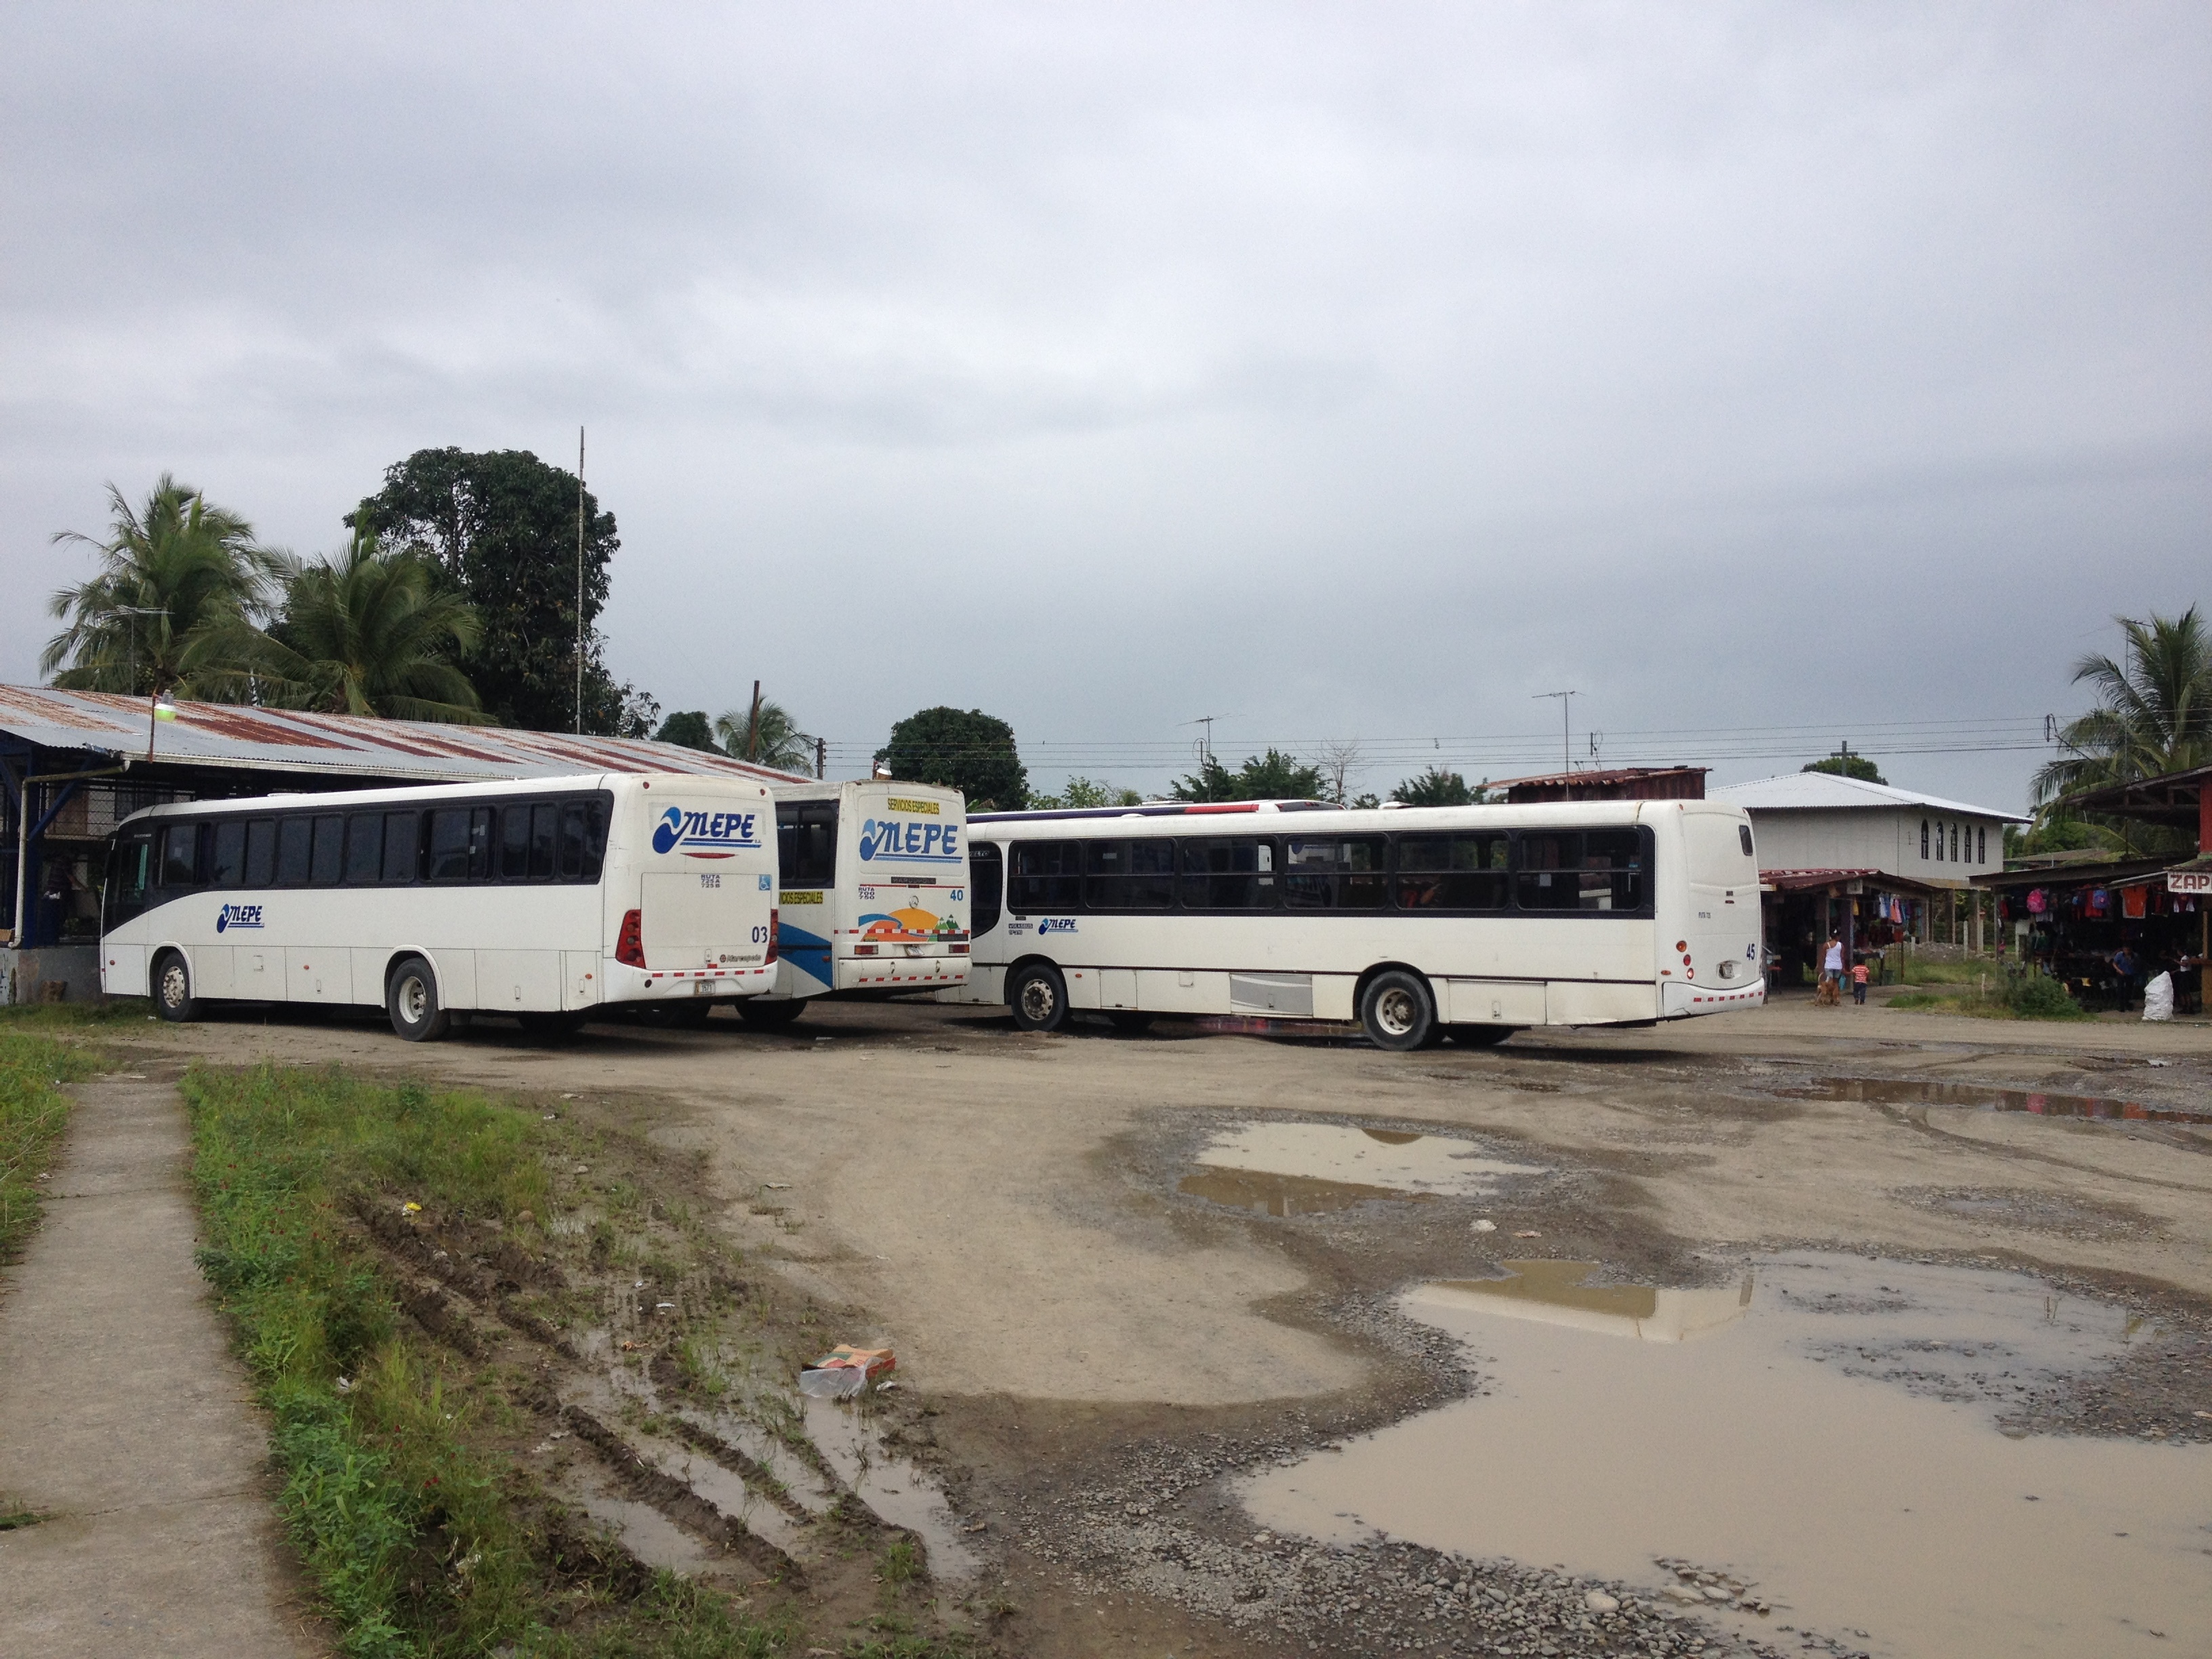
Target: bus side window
[
  {"x": 1613, "y": 860},
  {"x": 261, "y": 852},
  {"x": 180, "y": 856},
  {"x": 514, "y": 843},
  {"x": 480, "y": 844},
  {"x": 1452, "y": 873},
  {"x": 1550, "y": 860},
  {"x": 1129, "y": 875},
  {"x": 329, "y": 851},
  {"x": 227, "y": 867},
  {"x": 987, "y": 874},
  {"x": 1047, "y": 875},
  {"x": 1333, "y": 874},
  {"x": 364, "y": 854},
  {"x": 449, "y": 844},
  {"x": 595, "y": 840},
  {"x": 292, "y": 837},
  {"x": 129, "y": 866},
  {"x": 544, "y": 833},
  {"x": 573, "y": 824},
  {"x": 402, "y": 849},
  {"x": 1228, "y": 872}
]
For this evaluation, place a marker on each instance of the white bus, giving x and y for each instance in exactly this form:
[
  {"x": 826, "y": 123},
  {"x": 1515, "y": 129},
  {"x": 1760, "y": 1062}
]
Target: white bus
[
  {"x": 873, "y": 894},
  {"x": 550, "y": 899},
  {"x": 1474, "y": 921}
]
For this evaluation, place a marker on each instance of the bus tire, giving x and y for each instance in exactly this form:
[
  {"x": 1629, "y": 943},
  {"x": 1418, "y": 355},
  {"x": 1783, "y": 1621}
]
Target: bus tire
[
  {"x": 411, "y": 997},
  {"x": 172, "y": 985},
  {"x": 1480, "y": 1037},
  {"x": 1398, "y": 1011},
  {"x": 1038, "y": 996},
  {"x": 762, "y": 1015},
  {"x": 1129, "y": 1022}
]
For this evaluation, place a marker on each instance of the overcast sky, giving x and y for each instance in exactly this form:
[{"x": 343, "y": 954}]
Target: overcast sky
[{"x": 1354, "y": 370}]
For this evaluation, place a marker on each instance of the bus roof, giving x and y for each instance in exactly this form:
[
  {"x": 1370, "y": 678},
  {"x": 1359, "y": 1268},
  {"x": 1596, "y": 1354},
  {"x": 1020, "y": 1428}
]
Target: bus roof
[{"x": 395, "y": 794}]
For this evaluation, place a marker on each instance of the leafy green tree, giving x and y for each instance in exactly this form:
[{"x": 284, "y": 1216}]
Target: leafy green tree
[
  {"x": 965, "y": 750},
  {"x": 2058, "y": 831},
  {"x": 2153, "y": 715},
  {"x": 173, "y": 606},
  {"x": 772, "y": 740},
  {"x": 689, "y": 728},
  {"x": 1082, "y": 791},
  {"x": 1437, "y": 787},
  {"x": 1844, "y": 764},
  {"x": 372, "y": 631},
  {"x": 1368, "y": 799},
  {"x": 503, "y": 527},
  {"x": 1272, "y": 776}
]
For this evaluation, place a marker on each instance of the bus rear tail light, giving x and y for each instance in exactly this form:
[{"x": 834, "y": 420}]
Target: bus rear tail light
[
  {"x": 775, "y": 931},
  {"x": 630, "y": 944},
  {"x": 958, "y": 950},
  {"x": 864, "y": 950}
]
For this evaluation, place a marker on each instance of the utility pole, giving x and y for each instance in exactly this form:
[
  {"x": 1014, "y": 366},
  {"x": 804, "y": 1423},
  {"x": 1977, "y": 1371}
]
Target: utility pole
[
  {"x": 579, "y": 581},
  {"x": 752, "y": 726},
  {"x": 1566, "y": 746},
  {"x": 821, "y": 757}
]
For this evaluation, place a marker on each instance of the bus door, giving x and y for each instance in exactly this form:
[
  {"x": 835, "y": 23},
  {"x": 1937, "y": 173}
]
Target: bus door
[{"x": 808, "y": 909}]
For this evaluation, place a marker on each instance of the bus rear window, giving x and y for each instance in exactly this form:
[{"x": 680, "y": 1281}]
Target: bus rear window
[{"x": 806, "y": 842}]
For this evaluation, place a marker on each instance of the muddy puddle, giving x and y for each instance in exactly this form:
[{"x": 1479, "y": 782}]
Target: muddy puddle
[
  {"x": 1898, "y": 1091},
  {"x": 1310, "y": 1168},
  {"x": 1825, "y": 1429}
]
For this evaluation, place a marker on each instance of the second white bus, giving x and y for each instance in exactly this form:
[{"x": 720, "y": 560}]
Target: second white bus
[
  {"x": 1472, "y": 922},
  {"x": 873, "y": 894},
  {"x": 550, "y": 899}
]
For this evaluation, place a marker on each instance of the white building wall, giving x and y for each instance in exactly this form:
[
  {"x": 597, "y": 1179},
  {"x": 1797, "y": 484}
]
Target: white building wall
[{"x": 1877, "y": 838}]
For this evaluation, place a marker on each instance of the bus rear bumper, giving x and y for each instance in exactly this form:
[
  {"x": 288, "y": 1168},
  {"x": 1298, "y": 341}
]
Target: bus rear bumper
[{"x": 1681, "y": 1001}]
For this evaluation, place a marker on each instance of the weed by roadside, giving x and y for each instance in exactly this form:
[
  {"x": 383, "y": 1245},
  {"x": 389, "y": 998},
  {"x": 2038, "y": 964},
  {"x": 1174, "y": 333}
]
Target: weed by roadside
[
  {"x": 2030, "y": 996},
  {"x": 421, "y": 1531},
  {"x": 33, "y": 1113}
]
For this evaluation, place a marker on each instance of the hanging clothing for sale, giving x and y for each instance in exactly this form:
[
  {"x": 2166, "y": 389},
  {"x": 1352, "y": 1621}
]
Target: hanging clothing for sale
[
  {"x": 2037, "y": 903},
  {"x": 2098, "y": 901},
  {"x": 2134, "y": 902}
]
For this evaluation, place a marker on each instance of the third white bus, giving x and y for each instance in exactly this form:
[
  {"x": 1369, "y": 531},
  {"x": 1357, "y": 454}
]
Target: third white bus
[{"x": 1470, "y": 922}]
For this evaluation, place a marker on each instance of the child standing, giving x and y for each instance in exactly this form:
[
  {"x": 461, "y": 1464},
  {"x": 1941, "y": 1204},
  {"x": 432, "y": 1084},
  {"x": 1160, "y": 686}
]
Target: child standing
[{"x": 1859, "y": 983}]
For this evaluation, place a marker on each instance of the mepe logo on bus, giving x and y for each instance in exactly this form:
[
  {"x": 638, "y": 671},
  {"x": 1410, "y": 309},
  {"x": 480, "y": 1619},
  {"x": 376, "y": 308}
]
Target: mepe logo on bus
[
  {"x": 927, "y": 843},
  {"x": 237, "y": 915},
  {"x": 704, "y": 835}
]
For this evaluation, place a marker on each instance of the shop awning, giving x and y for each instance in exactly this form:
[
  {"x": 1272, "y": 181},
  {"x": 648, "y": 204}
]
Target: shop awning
[{"x": 1803, "y": 881}]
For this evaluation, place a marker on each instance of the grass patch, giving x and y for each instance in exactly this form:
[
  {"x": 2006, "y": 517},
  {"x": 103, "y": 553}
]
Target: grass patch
[
  {"x": 2030, "y": 996},
  {"x": 33, "y": 1113},
  {"x": 421, "y": 1533}
]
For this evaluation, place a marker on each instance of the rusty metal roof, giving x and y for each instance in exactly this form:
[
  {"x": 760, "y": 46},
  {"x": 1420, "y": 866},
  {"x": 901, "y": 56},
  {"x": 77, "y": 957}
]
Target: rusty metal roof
[{"x": 215, "y": 734}]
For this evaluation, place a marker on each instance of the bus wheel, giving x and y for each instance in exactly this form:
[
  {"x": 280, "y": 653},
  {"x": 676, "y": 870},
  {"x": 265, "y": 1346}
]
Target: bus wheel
[
  {"x": 1478, "y": 1036},
  {"x": 172, "y": 988},
  {"x": 1398, "y": 1010},
  {"x": 1038, "y": 997},
  {"x": 411, "y": 1000},
  {"x": 1130, "y": 1021},
  {"x": 763, "y": 1015}
]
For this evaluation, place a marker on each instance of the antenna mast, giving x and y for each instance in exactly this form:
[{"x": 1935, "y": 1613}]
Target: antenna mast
[
  {"x": 1566, "y": 749},
  {"x": 579, "y": 581}
]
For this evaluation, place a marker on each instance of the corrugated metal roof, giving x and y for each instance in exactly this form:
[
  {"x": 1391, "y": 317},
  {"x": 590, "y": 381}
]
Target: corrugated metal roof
[
  {"x": 348, "y": 745},
  {"x": 1826, "y": 791}
]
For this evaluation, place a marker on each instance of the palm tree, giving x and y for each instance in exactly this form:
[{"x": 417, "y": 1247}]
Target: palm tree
[
  {"x": 173, "y": 604},
  {"x": 371, "y": 632},
  {"x": 773, "y": 741},
  {"x": 2153, "y": 715}
]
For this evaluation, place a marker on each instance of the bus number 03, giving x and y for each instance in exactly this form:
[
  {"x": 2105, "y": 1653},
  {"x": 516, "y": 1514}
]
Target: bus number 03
[{"x": 760, "y": 935}]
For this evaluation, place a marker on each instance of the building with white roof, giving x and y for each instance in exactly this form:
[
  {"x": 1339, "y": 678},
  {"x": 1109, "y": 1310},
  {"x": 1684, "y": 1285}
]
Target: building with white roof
[{"x": 1818, "y": 821}]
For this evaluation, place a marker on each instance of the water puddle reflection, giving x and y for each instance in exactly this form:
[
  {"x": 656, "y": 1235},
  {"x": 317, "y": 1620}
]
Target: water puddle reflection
[
  {"x": 892, "y": 1487},
  {"x": 1902, "y": 1091},
  {"x": 1305, "y": 1169},
  {"x": 1826, "y": 1428}
]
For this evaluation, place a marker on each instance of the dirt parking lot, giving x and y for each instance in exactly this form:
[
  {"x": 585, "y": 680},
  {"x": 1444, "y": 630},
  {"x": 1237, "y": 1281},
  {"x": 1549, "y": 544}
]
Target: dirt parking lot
[{"x": 1153, "y": 1291}]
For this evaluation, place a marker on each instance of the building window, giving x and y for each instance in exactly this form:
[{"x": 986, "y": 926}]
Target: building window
[
  {"x": 1923, "y": 838},
  {"x": 1982, "y": 844},
  {"x": 1955, "y": 843}
]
